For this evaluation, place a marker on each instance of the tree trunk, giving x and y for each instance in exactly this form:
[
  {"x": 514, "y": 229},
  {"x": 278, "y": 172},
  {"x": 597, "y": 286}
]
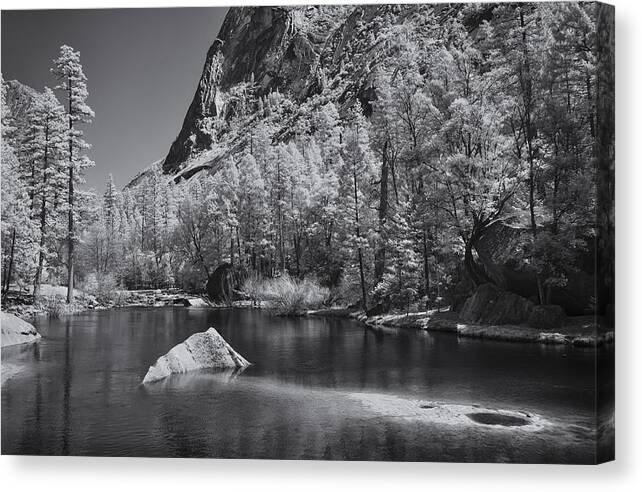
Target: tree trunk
[
  {"x": 41, "y": 259},
  {"x": 296, "y": 241},
  {"x": 364, "y": 298},
  {"x": 43, "y": 221},
  {"x": 231, "y": 246},
  {"x": 426, "y": 269},
  {"x": 380, "y": 254},
  {"x": 70, "y": 229},
  {"x": 475, "y": 272},
  {"x": 527, "y": 97},
  {"x": 10, "y": 267}
]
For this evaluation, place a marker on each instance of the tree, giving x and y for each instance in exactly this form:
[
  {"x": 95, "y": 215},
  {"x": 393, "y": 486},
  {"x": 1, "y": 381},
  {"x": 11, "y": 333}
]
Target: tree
[
  {"x": 252, "y": 210},
  {"x": 45, "y": 144},
  {"x": 18, "y": 230},
  {"x": 470, "y": 153},
  {"x": 196, "y": 231},
  {"x": 73, "y": 84},
  {"x": 355, "y": 174}
]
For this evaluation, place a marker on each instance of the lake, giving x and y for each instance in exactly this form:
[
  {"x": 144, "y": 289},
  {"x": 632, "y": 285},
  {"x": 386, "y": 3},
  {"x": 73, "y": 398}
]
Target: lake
[{"x": 319, "y": 388}]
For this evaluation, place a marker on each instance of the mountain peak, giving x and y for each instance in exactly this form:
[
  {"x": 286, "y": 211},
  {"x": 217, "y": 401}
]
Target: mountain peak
[{"x": 276, "y": 48}]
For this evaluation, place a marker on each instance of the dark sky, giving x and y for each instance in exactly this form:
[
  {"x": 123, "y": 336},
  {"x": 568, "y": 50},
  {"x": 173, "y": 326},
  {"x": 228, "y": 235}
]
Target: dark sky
[{"x": 142, "y": 66}]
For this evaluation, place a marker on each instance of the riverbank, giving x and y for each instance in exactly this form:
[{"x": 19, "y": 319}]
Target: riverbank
[
  {"x": 580, "y": 331},
  {"x": 53, "y": 302}
]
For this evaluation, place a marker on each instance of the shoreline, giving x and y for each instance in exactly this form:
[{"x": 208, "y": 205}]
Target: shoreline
[
  {"x": 583, "y": 331},
  {"x": 148, "y": 298}
]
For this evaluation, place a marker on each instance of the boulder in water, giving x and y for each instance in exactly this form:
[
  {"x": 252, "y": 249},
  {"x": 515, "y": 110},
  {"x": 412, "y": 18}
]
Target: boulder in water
[
  {"x": 15, "y": 330},
  {"x": 200, "y": 351}
]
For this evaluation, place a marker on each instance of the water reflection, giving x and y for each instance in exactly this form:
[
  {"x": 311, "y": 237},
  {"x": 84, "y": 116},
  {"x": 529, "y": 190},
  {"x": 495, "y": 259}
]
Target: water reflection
[{"x": 79, "y": 391}]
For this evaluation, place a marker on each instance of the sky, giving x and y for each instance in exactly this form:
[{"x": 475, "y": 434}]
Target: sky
[{"x": 142, "y": 66}]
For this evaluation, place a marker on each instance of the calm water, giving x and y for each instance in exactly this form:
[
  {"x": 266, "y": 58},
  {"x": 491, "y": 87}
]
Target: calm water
[{"x": 317, "y": 389}]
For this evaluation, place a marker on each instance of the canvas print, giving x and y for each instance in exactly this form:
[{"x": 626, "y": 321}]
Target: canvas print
[{"x": 346, "y": 232}]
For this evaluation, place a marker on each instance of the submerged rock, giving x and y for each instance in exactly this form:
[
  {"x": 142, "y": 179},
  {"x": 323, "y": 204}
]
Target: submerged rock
[
  {"x": 16, "y": 331},
  {"x": 200, "y": 351}
]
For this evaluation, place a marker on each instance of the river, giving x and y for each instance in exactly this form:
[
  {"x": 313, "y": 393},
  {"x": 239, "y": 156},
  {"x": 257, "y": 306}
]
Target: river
[{"x": 318, "y": 389}]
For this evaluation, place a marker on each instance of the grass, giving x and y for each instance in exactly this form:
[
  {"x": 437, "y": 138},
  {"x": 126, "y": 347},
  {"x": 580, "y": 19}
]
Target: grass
[
  {"x": 285, "y": 295},
  {"x": 57, "y": 307}
]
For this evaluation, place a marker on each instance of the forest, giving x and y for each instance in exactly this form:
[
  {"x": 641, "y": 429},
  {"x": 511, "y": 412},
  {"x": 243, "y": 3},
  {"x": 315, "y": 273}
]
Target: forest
[{"x": 476, "y": 159}]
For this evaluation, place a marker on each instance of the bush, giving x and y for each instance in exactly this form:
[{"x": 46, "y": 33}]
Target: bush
[
  {"x": 103, "y": 286},
  {"x": 253, "y": 288},
  {"x": 57, "y": 307},
  {"x": 347, "y": 292},
  {"x": 285, "y": 295}
]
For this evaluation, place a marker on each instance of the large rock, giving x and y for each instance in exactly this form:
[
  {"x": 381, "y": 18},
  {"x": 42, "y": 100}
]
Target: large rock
[
  {"x": 489, "y": 304},
  {"x": 194, "y": 302},
  {"x": 221, "y": 284},
  {"x": 200, "y": 351},
  {"x": 16, "y": 331},
  {"x": 273, "y": 45},
  {"x": 496, "y": 250}
]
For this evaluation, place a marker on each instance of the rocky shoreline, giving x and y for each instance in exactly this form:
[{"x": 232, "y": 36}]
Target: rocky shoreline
[
  {"x": 579, "y": 331},
  {"x": 122, "y": 299}
]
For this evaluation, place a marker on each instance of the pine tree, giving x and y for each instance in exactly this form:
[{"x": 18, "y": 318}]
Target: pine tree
[
  {"x": 110, "y": 217},
  {"x": 18, "y": 230},
  {"x": 356, "y": 170},
  {"x": 73, "y": 84},
  {"x": 252, "y": 209},
  {"x": 45, "y": 144}
]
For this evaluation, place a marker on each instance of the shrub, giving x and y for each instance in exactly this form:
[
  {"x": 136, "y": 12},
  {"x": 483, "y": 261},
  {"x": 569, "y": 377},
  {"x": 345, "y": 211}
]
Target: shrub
[
  {"x": 253, "y": 288},
  {"x": 57, "y": 307},
  {"x": 103, "y": 286},
  {"x": 285, "y": 295},
  {"x": 347, "y": 292}
]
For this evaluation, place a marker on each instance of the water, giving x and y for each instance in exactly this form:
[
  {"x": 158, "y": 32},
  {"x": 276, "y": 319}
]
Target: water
[{"x": 318, "y": 389}]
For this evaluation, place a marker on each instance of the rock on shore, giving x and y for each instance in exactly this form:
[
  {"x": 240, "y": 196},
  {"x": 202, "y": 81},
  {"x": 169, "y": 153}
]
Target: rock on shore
[
  {"x": 200, "y": 351},
  {"x": 195, "y": 302},
  {"x": 16, "y": 331}
]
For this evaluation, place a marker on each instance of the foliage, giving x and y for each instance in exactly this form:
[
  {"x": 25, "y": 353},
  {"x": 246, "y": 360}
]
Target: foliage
[
  {"x": 384, "y": 201},
  {"x": 285, "y": 295},
  {"x": 102, "y": 286}
]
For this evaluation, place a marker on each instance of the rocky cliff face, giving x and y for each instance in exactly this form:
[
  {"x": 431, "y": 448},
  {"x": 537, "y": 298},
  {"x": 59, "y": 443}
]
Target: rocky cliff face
[
  {"x": 272, "y": 47},
  {"x": 299, "y": 51}
]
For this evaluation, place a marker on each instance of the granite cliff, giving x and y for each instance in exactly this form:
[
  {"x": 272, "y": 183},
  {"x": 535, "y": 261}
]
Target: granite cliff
[{"x": 298, "y": 51}]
